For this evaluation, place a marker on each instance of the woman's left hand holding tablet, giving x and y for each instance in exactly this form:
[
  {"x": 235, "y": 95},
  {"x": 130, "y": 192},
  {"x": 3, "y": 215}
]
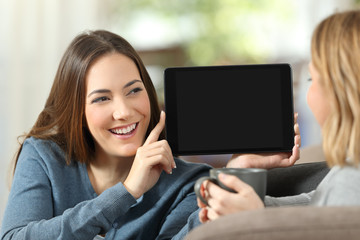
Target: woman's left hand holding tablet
[{"x": 150, "y": 160}]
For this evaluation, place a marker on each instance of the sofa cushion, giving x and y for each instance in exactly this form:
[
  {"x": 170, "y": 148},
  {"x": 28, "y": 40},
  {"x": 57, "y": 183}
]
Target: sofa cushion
[{"x": 284, "y": 223}]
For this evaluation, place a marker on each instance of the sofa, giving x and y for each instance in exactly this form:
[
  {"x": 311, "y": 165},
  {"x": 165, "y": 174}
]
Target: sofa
[{"x": 305, "y": 222}]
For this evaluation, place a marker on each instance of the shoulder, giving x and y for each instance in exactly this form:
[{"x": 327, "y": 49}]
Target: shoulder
[
  {"x": 344, "y": 175},
  {"x": 44, "y": 161},
  {"x": 41, "y": 146},
  {"x": 337, "y": 172},
  {"x": 340, "y": 182},
  {"x": 41, "y": 152}
]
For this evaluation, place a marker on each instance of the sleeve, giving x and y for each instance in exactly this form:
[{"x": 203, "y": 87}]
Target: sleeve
[
  {"x": 178, "y": 218},
  {"x": 183, "y": 216},
  {"x": 193, "y": 222},
  {"x": 29, "y": 212},
  {"x": 297, "y": 200}
]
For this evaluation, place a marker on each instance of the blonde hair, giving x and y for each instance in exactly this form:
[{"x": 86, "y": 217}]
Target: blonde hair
[{"x": 335, "y": 50}]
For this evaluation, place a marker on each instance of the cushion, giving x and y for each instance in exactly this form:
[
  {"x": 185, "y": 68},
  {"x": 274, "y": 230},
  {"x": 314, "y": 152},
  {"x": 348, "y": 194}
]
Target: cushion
[{"x": 284, "y": 223}]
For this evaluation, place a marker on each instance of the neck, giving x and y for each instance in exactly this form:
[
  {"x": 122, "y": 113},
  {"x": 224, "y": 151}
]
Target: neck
[{"x": 106, "y": 171}]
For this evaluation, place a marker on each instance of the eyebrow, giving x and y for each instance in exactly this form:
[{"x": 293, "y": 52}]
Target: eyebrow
[
  {"x": 131, "y": 83},
  {"x": 107, "y": 90}
]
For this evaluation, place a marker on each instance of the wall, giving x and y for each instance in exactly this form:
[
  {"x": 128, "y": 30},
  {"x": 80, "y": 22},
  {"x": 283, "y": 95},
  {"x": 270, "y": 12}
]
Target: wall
[{"x": 33, "y": 36}]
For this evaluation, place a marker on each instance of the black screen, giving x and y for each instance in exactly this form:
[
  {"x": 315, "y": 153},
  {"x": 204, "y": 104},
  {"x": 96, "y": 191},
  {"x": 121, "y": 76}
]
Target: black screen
[{"x": 229, "y": 109}]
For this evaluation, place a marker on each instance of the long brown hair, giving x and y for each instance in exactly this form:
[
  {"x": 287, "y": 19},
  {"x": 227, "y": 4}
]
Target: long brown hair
[
  {"x": 335, "y": 51},
  {"x": 63, "y": 120}
]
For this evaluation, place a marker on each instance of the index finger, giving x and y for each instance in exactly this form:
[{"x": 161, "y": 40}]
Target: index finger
[{"x": 155, "y": 133}]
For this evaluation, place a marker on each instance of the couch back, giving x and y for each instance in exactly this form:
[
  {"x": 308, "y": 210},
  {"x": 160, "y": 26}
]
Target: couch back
[{"x": 300, "y": 178}]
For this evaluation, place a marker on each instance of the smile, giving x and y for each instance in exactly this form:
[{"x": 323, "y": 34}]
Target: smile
[{"x": 124, "y": 130}]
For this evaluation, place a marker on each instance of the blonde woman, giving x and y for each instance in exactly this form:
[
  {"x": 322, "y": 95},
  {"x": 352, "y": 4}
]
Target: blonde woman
[{"x": 334, "y": 98}]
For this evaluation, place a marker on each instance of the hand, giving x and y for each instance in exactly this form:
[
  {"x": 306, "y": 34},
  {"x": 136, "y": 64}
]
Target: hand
[
  {"x": 269, "y": 160},
  {"x": 150, "y": 160},
  {"x": 222, "y": 202}
]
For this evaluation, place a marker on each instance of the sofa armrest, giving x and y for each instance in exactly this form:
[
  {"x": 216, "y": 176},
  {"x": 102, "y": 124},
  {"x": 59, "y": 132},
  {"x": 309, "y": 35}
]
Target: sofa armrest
[
  {"x": 300, "y": 178},
  {"x": 316, "y": 223}
]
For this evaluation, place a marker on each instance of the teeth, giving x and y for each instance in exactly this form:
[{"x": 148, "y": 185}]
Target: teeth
[{"x": 124, "y": 130}]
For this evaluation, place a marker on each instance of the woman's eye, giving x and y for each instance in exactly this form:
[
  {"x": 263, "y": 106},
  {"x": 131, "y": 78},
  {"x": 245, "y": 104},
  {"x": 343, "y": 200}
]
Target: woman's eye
[
  {"x": 134, "y": 91},
  {"x": 100, "y": 99}
]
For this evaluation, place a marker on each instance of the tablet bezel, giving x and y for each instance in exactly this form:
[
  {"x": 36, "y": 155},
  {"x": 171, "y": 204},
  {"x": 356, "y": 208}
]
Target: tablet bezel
[{"x": 170, "y": 96}]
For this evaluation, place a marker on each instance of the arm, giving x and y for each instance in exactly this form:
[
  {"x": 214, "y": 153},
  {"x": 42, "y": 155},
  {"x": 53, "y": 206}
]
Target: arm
[
  {"x": 193, "y": 222},
  {"x": 183, "y": 216},
  {"x": 179, "y": 219},
  {"x": 297, "y": 200}
]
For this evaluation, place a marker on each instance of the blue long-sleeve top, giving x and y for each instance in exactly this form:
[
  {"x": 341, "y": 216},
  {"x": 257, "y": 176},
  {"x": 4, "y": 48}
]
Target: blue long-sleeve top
[{"x": 51, "y": 200}]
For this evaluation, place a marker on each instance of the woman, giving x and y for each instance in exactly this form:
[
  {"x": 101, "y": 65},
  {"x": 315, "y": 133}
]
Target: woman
[
  {"x": 95, "y": 162},
  {"x": 334, "y": 98}
]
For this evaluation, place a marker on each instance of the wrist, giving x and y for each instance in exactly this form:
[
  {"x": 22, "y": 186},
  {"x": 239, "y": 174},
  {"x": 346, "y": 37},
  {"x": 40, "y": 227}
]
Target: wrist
[{"x": 133, "y": 192}]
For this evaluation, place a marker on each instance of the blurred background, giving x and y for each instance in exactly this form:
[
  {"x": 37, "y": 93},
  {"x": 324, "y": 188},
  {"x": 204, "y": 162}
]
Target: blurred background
[{"x": 35, "y": 33}]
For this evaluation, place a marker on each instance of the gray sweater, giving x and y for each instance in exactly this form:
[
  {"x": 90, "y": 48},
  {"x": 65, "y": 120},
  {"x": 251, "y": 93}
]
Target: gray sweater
[{"x": 51, "y": 200}]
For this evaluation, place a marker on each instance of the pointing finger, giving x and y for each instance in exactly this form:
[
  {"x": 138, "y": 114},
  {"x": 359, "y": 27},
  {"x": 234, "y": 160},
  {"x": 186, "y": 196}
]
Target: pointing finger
[{"x": 155, "y": 133}]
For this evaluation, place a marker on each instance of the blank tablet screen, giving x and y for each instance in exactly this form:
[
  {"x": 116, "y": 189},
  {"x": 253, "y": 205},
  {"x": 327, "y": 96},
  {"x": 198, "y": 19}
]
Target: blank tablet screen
[{"x": 229, "y": 109}]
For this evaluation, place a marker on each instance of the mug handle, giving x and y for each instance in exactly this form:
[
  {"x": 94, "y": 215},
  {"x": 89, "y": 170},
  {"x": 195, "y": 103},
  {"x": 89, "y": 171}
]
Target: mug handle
[{"x": 197, "y": 187}]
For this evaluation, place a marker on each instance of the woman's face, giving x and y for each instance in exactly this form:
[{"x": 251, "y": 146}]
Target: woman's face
[
  {"x": 316, "y": 97},
  {"x": 117, "y": 106}
]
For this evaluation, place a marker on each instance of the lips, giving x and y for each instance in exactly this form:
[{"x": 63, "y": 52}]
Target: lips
[{"x": 126, "y": 130}]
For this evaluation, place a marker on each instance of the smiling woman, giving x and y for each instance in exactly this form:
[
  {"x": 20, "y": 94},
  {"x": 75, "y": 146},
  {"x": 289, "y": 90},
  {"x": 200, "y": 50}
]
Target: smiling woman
[
  {"x": 96, "y": 164},
  {"x": 115, "y": 103}
]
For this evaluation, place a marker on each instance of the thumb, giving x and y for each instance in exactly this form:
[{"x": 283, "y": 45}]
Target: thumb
[{"x": 155, "y": 133}]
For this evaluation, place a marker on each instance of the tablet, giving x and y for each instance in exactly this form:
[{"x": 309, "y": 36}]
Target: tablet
[{"x": 229, "y": 109}]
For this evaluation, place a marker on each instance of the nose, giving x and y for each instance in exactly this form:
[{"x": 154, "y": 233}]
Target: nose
[{"x": 122, "y": 111}]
